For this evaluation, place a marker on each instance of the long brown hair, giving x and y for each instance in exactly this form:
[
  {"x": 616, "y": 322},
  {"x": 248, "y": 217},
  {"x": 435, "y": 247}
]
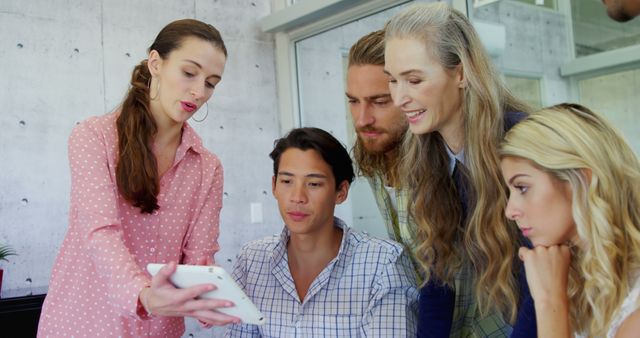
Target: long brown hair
[
  {"x": 445, "y": 240},
  {"x": 137, "y": 169}
]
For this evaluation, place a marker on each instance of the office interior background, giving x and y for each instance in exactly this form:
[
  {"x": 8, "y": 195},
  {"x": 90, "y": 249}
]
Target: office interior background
[{"x": 66, "y": 60}]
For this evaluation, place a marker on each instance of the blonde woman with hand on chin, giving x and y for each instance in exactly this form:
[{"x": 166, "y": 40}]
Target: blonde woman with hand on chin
[
  {"x": 574, "y": 188},
  {"x": 143, "y": 190}
]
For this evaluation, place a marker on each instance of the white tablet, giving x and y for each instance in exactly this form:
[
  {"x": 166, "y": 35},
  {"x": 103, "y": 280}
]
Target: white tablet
[{"x": 227, "y": 289}]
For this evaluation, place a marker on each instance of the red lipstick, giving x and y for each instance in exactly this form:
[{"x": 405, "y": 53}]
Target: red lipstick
[{"x": 188, "y": 106}]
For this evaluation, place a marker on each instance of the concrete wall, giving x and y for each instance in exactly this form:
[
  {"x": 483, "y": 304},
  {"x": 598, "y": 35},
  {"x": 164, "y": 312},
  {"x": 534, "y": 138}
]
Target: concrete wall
[
  {"x": 66, "y": 60},
  {"x": 536, "y": 45}
]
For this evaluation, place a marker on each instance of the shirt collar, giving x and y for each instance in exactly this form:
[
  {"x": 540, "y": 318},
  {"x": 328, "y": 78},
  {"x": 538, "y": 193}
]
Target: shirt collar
[
  {"x": 453, "y": 157},
  {"x": 280, "y": 250},
  {"x": 190, "y": 140}
]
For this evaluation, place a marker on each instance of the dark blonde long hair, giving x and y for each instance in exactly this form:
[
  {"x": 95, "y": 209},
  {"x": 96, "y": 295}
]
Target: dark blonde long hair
[
  {"x": 444, "y": 239},
  {"x": 564, "y": 140},
  {"x": 137, "y": 169}
]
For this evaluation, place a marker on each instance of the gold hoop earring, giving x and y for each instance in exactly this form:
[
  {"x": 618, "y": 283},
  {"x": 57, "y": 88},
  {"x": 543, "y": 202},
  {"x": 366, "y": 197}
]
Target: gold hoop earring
[
  {"x": 205, "y": 115},
  {"x": 157, "y": 90}
]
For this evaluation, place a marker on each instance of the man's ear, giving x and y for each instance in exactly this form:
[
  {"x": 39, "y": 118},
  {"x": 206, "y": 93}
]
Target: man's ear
[
  {"x": 342, "y": 192},
  {"x": 154, "y": 63},
  {"x": 273, "y": 185}
]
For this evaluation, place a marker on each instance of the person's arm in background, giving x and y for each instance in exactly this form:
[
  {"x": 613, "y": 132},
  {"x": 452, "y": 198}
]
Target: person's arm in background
[
  {"x": 525, "y": 325},
  {"x": 435, "y": 312}
]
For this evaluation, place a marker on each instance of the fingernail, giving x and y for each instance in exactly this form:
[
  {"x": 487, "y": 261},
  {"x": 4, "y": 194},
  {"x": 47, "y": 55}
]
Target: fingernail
[{"x": 228, "y": 304}]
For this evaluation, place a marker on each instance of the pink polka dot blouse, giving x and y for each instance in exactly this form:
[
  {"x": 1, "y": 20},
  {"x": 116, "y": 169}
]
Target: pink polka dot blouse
[{"x": 100, "y": 269}]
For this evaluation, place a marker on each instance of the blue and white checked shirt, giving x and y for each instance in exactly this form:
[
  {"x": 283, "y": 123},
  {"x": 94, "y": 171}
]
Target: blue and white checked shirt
[{"x": 367, "y": 290}]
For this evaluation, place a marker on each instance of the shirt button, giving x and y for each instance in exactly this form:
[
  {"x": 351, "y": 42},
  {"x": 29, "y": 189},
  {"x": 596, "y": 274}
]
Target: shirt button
[
  {"x": 152, "y": 249},
  {"x": 155, "y": 212}
]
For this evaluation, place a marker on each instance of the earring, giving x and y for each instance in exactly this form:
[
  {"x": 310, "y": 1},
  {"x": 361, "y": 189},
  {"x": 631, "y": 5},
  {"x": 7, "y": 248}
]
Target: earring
[
  {"x": 205, "y": 115},
  {"x": 157, "y": 89}
]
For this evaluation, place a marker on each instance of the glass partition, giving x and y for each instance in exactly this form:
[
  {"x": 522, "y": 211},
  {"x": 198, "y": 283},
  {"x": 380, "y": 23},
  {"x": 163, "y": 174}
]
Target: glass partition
[{"x": 540, "y": 38}]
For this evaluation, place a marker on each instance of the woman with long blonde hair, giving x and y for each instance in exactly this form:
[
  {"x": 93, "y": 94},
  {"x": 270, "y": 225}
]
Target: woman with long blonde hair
[
  {"x": 575, "y": 193},
  {"x": 458, "y": 110}
]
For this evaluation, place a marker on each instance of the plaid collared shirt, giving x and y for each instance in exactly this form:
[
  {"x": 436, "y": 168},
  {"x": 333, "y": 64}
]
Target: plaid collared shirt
[
  {"x": 367, "y": 290},
  {"x": 467, "y": 321},
  {"x": 397, "y": 222}
]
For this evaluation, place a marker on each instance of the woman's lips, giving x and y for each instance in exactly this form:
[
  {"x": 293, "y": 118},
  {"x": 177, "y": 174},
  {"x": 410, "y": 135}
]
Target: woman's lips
[
  {"x": 188, "y": 106},
  {"x": 525, "y": 231},
  {"x": 414, "y": 116}
]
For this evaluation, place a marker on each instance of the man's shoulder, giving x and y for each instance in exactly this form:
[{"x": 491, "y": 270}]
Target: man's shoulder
[
  {"x": 375, "y": 248},
  {"x": 260, "y": 247}
]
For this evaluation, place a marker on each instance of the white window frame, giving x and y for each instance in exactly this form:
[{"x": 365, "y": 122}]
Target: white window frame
[
  {"x": 535, "y": 76},
  {"x": 586, "y": 66}
]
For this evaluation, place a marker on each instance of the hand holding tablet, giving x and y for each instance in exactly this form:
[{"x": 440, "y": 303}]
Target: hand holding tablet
[{"x": 190, "y": 275}]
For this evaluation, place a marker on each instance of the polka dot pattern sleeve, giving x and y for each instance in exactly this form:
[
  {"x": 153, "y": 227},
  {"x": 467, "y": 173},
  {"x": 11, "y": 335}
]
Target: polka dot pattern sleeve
[
  {"x": 94, "y": 215},
  {"x": 201, "y": 241}
]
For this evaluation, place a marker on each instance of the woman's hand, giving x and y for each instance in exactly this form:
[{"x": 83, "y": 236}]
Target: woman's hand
[
  {"x": 164, "y": 299},
  {"x": 547, "y": 270}
]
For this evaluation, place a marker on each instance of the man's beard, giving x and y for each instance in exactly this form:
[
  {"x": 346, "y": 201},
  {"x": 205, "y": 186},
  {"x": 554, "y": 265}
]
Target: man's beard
[{"x": 377, "y": 147}]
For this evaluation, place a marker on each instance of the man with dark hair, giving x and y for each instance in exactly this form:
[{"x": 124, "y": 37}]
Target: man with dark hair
[
  {"x": 320, "y": 278},
  {"x": 622, "y": 10}
]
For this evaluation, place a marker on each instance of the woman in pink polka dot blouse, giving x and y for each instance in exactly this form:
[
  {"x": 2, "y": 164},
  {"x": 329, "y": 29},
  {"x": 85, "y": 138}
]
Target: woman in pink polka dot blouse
[{"x": 143, "y": 190}]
